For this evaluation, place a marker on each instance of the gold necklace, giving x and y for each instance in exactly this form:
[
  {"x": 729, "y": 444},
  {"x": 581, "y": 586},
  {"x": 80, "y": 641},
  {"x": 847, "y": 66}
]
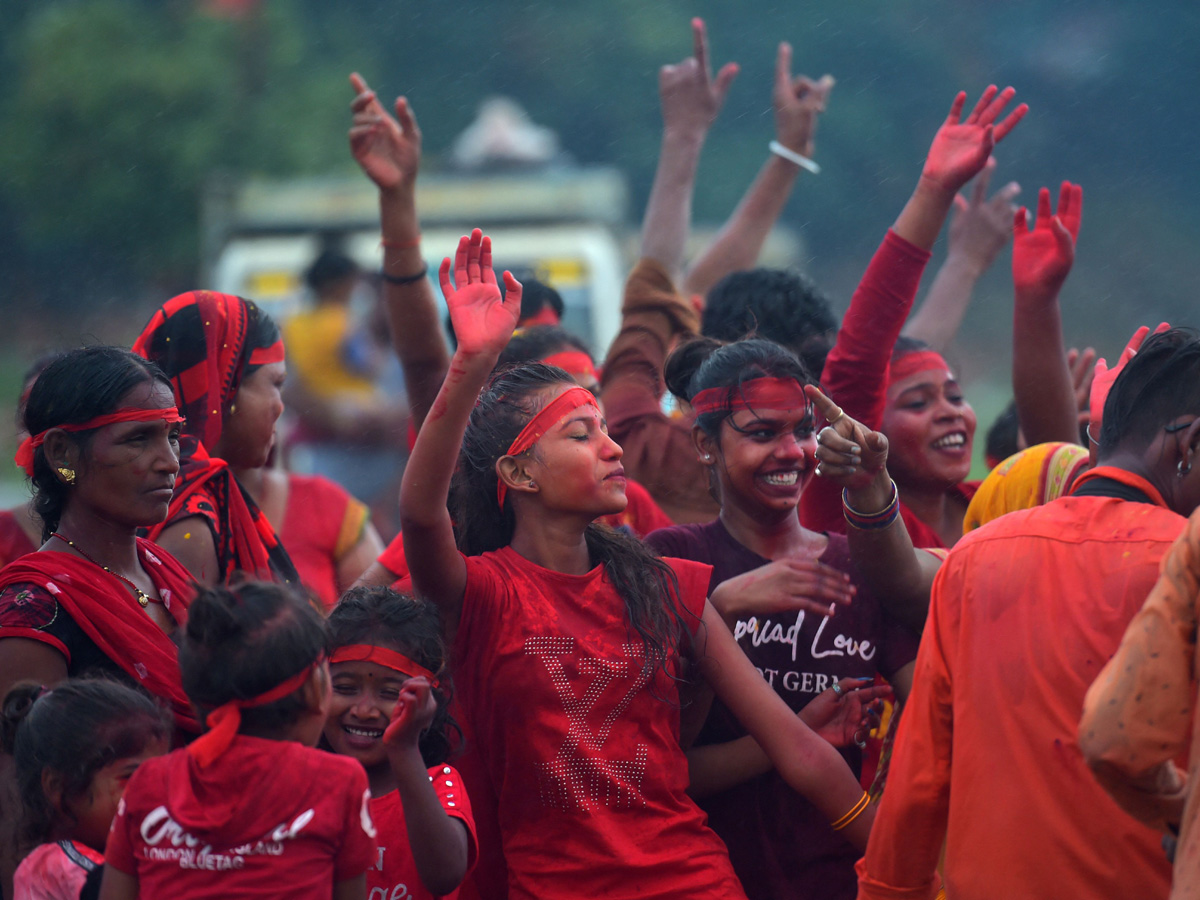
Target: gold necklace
[{"x": 142, "y": 597}]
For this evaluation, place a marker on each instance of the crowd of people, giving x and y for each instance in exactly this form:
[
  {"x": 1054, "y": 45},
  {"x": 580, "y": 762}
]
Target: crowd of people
[{"x": 764, "y": 641}]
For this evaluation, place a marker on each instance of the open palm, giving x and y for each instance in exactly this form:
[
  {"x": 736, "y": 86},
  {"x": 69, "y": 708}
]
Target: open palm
[
  {"x": 483, "y": 319},
  {"x": 388, "y": 149}
]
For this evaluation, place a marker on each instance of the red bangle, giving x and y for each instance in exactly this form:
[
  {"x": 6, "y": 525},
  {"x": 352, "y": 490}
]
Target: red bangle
[{"x": 401, "y": 245}]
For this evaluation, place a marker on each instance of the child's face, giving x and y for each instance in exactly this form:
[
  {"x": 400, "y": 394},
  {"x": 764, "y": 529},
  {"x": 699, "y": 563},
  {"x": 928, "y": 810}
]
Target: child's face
[
  {"x": 93, "y": 813},
  {"x": 364, "y": 695}
]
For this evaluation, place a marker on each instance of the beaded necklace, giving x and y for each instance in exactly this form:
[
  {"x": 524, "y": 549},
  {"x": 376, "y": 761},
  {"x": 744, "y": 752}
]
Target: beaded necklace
[{"x": 143, "y": 598}]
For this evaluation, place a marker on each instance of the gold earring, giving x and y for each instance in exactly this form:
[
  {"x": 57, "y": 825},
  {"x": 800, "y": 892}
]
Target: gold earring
[
  {"x": 232, "y": 408},
  {"x": 67, "y": 474}
]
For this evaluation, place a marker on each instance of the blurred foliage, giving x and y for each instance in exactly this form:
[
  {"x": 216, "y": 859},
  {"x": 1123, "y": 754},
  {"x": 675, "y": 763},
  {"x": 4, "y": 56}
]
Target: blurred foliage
[{"x": 115, "y": 112}]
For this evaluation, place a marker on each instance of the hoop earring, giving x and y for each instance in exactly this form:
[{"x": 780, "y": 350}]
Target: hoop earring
[
  {"x": 1181, "y": 470},
  {"x": 66, "y": 474}
]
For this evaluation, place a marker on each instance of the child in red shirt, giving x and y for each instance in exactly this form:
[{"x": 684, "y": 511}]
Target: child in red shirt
[
  {"x": 248, "y": 809},
  {"x": 389, "y": 711},
  {"x": 75, "y": 748},
  {"x": 569, "y": 637}
]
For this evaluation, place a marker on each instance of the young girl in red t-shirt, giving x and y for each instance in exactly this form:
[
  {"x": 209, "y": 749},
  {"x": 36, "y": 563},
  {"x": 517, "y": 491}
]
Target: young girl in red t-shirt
[
  {"x": 568, "y": 637},
  {"x": 389, "y": 711},
  {"x": 250, "y": 808},
  {"x": 75, "y": 748}
]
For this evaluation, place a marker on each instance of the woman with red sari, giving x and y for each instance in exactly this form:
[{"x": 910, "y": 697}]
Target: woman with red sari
[
  {"x": 103, "y": 458},
  {"x": 224, "y": 359}
]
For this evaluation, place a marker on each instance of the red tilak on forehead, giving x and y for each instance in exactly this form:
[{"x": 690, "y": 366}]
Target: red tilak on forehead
[
  {"x": 551, "y": 415},
  {"x": 912, "y": 363},
  {"x": 757, "y": 393}
]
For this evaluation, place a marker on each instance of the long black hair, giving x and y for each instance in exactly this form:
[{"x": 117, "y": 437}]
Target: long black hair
[
  {"x": 76, "y": 387},
  {"x": 645, "y": 583},
  {"x": 243, "y": 640},
  {"x": 380, "y": 615},
  {"x": 74, "y": 731}
]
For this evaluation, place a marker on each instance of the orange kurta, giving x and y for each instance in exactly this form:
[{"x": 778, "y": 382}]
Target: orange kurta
[
  {"x": 1024, "y": 614},
  {"x": 1139, "y": 714}
]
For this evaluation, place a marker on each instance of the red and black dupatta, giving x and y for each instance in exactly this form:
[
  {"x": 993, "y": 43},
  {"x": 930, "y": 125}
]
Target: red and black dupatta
[{"x": 207, "y": 343}]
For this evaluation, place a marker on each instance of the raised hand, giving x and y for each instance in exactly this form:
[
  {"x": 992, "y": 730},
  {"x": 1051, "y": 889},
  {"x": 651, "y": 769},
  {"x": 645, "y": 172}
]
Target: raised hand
[
  {"x": 784, "y": 585},
  {"x": 848, "y": 716},
  {"x": 483, "y": 321},
  {"x": 798, "y": 102},
  {"x": 1082, "y": 364},
  {"x": 411, "y": 715},
  {"x": 848, "y": 453},
  {"x": 1103, "y": 377},
  {"x": 960, "y": 149},
  {"x": 980, "y": 227},
  {"x": 1042, "y": 257},
  {"x": 387, "y": 148},
  {"x": 691, "y": 97}
]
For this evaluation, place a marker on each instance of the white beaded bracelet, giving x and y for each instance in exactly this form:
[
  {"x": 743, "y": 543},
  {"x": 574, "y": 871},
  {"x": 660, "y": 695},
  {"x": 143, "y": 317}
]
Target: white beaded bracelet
[{"x": 792, "y": 156}]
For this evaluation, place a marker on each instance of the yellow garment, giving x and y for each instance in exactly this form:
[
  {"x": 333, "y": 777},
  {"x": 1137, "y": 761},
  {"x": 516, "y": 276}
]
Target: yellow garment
[
  {"x": 1026, "y": 479},
  {"x": 314, "y": 341}
]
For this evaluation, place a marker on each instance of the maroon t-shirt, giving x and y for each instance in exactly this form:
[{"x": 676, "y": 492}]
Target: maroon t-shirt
[{"x": 780, "y": 844}]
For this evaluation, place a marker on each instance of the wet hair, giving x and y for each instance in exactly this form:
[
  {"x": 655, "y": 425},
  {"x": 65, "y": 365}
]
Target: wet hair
[
  {"x": 704, "y": 363},
  {"x": 779, "y": 305},
  {"x": 330, "y": 267},
  {"x": 905, "y": 345},
  {"x": 538, "y": 342},
  {"x": 74, "y": 388},
  {"x": 243, "y": 640},
  {"x": 645, "y": 583},
  {"x": 1160, "y": 383},
  {"x": 1002, "y": 437},
  {"x": 74, "y": 730},
  {"x": 402, "y": 622}
]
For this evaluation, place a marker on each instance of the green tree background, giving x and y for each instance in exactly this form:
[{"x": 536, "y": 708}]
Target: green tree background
[{"x": 114, "y": 113}]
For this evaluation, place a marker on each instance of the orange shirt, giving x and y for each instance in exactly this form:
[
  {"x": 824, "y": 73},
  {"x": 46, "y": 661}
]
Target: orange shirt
[
  {"x": 1024, "y": 614},
  {"x": 1139, "y": 714}
]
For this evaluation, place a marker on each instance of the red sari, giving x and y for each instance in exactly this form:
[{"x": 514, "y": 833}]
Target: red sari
[
  {"x": 208, "y": 343},
  {"x": 101, "y": 605}
]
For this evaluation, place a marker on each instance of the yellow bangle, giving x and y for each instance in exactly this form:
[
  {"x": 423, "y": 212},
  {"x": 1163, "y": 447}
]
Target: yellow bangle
[{"x": 854, "y": 812}]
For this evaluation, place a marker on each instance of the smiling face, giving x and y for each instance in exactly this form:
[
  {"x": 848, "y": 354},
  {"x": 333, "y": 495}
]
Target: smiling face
[
  {"x": 764, "y": 459},
  {"x": 360, "y": 708},
  {"x": 249, "y": 430},
  {"x": 126, "y": 472},
  {"x": 577, "y": 466},
  {"x": 930, "y": 428}
]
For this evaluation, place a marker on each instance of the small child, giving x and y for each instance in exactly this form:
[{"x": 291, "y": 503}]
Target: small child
[
  {"x": 388, "y": 711},
  {"x": 75, "y": 748},
  {"x": 250, "y": 808}
]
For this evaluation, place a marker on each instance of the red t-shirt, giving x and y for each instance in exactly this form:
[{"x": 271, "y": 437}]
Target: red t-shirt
[
  {"x": 321, "y": 523},
  {"x": 394, "y": 874},
  {"x": 57, "y": 871},
  {"x": 268, "y": 819},
  {"x": 581, "y": 745}
]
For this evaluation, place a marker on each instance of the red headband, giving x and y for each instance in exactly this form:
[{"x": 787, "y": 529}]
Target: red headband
[
  {"x": 24, "y": 457},
  {"x": 912, "y": 363},
  {"x": 757, "y": 393},
  {"x": 382, "y": 656},
  {"x": 264, "y": 356},
  {"x": 551, "y": 415},
  {"x": 224, "y": 721},
  {"x": 544, "y": 316},
  {"x": 573, "y": 362}
]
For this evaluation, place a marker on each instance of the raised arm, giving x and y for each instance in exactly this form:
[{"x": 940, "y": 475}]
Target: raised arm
[
  {"x": 483, "y": 322},
  {"x": 1043, "y": 385},
  {"x": 854, "y": 458},
  {"x": 691, "y": 99},
  {"x": 389, "y": 151},
  {"x": 979, "y": 229},
  {"x": 797, "y": 102}
]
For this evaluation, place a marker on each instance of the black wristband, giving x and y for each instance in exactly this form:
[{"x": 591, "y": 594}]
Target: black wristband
[{"x": 405, "y": 279}]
